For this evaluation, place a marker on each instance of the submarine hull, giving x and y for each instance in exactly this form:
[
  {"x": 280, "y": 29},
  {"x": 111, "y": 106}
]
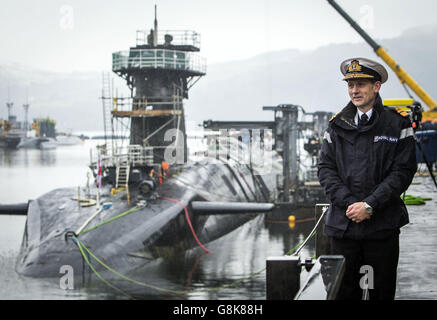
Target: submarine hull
[{"x": 127, "y": 236}]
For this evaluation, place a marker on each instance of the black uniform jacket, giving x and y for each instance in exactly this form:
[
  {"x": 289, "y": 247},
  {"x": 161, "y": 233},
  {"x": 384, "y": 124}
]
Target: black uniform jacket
[{"x": 375, "y": 164}]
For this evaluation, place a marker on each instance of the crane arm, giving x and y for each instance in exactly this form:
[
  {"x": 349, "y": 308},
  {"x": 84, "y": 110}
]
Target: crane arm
[{"x": 403, "y": 76}]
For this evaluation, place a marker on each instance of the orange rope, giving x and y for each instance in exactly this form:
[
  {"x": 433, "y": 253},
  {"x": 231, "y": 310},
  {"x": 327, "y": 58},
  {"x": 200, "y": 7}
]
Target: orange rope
[{"x": 189, "y": 222}]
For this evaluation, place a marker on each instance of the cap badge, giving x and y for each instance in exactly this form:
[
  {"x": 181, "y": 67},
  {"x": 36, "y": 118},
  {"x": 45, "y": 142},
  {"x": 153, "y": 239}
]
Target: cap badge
[{"x": 355, "y": 66}]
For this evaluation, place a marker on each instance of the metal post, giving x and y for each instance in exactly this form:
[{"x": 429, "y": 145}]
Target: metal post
[
  {"x": 286, "y": 157},
  {"x": 282, "y": 277},
  {"x": 323, "y": 246},
  {"x": 293, "y": 127},
  {"x": 250, "y": 148}
]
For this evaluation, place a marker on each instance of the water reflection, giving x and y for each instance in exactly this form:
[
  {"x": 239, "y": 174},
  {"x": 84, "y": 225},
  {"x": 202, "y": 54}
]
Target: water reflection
[
  {"x": 234, "y": 270},
  {"x": 32, "y": 172},
  {"x": 27, "y": 157},
  {"x": 47, "y": 157}
]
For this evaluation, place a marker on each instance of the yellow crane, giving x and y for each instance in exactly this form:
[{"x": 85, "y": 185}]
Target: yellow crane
[{"x": 403, "y": 76}]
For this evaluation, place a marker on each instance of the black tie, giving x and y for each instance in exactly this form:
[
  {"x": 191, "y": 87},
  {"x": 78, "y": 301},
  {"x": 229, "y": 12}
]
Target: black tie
[{"x": 363, "y": 120}]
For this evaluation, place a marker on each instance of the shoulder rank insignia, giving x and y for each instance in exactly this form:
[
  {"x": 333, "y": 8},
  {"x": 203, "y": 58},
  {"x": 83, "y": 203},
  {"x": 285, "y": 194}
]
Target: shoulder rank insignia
[{"x": 401, "y": 112}]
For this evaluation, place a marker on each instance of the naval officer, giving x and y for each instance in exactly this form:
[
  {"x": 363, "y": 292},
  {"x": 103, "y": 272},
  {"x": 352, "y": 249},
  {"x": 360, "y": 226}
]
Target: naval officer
[{"x": 366, "y": 162}]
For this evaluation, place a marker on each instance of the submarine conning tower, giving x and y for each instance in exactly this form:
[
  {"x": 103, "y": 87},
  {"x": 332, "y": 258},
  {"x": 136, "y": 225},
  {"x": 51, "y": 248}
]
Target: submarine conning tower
[{"x": 159, "y": 71}]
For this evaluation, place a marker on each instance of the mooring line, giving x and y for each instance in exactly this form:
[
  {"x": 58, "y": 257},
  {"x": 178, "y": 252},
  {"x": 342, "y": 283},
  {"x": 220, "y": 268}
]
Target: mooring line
[
  {"x": 134, "y": 209},
  {"x": 312, "y": 233},
  {"x": 187, "y": 216},
  {"x": 82, "y": 248},
  {"x": 287, "y": 221}
]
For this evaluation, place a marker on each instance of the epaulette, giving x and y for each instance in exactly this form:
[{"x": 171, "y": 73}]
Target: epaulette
[
  {"x": 400, "y": 111},
  {"x": 333, "y": 117}
]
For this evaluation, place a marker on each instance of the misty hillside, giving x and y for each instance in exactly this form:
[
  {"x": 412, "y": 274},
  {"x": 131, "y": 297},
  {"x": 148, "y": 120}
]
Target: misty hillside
[
  {"x": 234, "y": 90},
  {"x": 311, "y": 79}
]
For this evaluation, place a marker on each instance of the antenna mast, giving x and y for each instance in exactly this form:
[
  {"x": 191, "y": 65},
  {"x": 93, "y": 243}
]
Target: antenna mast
[{"x": 155, "y": 30}]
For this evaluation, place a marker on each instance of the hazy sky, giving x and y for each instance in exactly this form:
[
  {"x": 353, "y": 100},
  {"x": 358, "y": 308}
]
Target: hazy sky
[{"x": 80, "y": 35}]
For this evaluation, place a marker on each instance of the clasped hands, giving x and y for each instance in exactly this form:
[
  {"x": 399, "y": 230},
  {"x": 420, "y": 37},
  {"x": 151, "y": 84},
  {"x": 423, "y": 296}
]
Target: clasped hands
[{"x": 357, "y": 212}]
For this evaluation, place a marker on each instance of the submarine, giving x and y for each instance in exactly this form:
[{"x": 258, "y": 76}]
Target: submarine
[{"x": 146, "y": 199}]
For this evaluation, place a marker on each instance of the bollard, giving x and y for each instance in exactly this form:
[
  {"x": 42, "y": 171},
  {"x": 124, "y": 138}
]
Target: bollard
[
  {"x": 323, "y": 246},
  {"x": 282, "y": 277}
]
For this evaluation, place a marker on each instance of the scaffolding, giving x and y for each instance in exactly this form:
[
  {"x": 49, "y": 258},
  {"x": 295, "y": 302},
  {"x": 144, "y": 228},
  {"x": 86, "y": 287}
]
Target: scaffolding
[{"x": 107, "y": 108}]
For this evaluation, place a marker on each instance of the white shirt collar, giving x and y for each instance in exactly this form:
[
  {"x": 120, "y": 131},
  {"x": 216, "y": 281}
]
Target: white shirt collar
[{"x": 360, "y": 113}]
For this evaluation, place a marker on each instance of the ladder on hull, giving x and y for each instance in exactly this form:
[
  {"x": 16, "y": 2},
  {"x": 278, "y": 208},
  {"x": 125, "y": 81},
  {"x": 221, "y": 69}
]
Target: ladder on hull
[
  {"x": 122, "y": 178},
  {"x": 122, "y": 175}
]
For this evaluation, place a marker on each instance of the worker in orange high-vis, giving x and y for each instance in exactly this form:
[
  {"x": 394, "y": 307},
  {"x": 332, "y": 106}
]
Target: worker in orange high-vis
[{"x": 165, "y": 169}]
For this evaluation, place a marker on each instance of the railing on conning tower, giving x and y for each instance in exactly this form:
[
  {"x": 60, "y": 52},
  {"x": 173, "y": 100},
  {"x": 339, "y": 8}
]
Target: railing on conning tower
[
  {"x": 134, "y": 155},
  {"x": 179, "y": 37},
  {"x": 158, "y": 58}
]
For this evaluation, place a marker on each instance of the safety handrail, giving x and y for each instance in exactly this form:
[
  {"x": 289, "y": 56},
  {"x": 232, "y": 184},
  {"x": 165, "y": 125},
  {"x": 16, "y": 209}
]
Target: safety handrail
[{"x": 158, "y": 58}]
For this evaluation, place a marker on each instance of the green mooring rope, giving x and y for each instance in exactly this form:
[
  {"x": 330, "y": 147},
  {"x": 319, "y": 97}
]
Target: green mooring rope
[
  {"x": 83, "y": 248},
  {"x": 134, "y": 209}
]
